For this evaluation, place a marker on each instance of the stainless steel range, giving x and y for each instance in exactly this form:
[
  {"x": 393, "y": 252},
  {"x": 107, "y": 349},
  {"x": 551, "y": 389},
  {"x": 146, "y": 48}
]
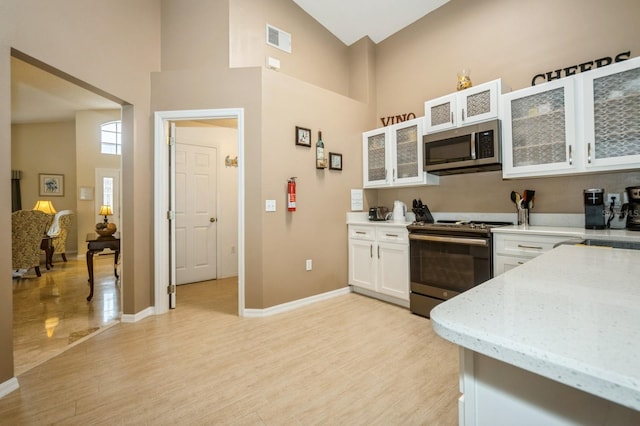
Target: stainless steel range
[{"x": 447, "y": 258}]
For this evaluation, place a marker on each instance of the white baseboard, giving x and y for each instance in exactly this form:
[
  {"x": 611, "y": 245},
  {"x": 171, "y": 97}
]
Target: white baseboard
[
  {"x": 9, "y": 386},
  {"x": 139, "y": 316},
  {"x": 289, "y": 306}
]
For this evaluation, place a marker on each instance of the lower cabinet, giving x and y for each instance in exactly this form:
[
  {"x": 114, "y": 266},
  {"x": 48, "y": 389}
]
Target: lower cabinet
[
  {"x": 497, "y": 393},
  {"x": 512, "y": 250},
  {"x": 379, "y": 261}
]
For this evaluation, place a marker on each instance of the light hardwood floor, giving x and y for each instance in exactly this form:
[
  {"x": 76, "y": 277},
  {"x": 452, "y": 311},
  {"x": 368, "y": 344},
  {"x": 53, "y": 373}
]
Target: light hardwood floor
[{"x": 349, "y": 360}]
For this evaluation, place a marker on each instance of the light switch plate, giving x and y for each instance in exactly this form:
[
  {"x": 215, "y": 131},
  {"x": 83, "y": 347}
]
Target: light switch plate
[{"x": 270, "y": 205}]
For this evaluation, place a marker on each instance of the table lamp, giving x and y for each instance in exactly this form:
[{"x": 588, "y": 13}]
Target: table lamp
[
  {"x": 45, "y": 207},
  {"x": 105, "y": 228}
]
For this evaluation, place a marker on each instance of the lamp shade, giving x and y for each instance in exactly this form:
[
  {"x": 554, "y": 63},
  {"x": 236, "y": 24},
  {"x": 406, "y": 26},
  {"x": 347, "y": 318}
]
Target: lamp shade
[
  {"x": 105, "y": 211},
  {"x": 45, "y": 207}
]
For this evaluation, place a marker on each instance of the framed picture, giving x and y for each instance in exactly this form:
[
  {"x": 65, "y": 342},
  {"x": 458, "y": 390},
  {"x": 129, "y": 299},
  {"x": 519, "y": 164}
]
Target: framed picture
[
  {"x": 303, "y": 136},
  {"x": 335, "y": 161},
  {"x": 51, "y": 185}
]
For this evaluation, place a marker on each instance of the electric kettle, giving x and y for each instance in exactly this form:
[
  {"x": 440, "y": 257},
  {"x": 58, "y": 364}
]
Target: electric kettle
[{"x": 399, "y": 211}]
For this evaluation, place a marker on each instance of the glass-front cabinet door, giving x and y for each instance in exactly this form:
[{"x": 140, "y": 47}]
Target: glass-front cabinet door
[
  {"x": 407, "y": 152},
  {"x": 472, "y": 105},
  {"x": 440, "y": 113},
  {"x": 479, "y": 103},
  {"x": 375, "y": 155},
  {"x": 612, "y": 116},
  {"x": 539, "y": 133}
]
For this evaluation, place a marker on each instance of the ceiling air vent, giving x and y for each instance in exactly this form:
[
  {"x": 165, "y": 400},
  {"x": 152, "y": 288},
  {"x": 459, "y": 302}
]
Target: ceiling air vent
[{"x": 278, "y": 38}]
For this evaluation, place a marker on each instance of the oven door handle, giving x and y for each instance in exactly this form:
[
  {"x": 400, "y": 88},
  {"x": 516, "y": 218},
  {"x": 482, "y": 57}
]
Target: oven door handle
[{"x": 452, "y": 240}]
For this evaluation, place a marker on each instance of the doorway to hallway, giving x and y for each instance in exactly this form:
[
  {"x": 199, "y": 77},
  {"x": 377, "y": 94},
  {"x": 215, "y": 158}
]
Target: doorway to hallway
[{"x": 169, "y": 233}]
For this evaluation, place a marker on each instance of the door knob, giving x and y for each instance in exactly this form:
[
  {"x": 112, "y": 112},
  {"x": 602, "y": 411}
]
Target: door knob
[{"x": 212, "y": 219}]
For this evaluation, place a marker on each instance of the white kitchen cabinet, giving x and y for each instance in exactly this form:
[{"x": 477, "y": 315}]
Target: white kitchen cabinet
[
  {"x": 477, "y": 103},
  {"x": 376, "y": 157},
  {"x": 611, "y": 124},
  {"x": 392, "y": 156},
  {"x": 539, "y": 130},
  {"x": 579, "y": 124},
  {"x": 513, "y": 249},
  {"x": 379, "y": 261},
  {"x": 362, "y": 268}
]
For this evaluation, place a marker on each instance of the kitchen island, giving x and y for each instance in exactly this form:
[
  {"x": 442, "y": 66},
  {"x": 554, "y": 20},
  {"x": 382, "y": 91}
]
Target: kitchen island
[{"x": 554, "y": 341}]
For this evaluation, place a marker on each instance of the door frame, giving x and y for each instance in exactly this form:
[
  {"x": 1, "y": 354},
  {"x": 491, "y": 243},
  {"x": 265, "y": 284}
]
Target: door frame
[{"x": 162, "y": 197}]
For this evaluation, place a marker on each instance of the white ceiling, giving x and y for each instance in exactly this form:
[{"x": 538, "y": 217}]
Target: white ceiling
[
  {"x": 39, "y": 96},
  {"x": 350, "y": 20}
]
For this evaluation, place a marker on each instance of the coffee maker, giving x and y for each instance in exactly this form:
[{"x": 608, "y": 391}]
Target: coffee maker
[
  {"x": 632, "y": 208},
  {"x": 594, "y": 209}
]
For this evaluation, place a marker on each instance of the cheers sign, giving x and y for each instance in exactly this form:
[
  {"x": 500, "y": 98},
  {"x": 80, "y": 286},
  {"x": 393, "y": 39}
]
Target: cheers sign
[{"x": 573, "y": 69}]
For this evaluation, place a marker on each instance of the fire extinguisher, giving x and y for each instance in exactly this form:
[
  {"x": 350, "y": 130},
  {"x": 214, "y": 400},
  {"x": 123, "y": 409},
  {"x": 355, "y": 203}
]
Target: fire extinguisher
[{"x": 291, "y": 194}]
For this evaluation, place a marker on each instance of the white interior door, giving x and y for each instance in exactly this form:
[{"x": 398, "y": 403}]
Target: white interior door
[{"x": 195, "y": 212}]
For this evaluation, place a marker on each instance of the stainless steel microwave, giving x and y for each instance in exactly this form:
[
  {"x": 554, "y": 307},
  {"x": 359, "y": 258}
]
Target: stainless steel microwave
[{"x": 467, "y": 149}]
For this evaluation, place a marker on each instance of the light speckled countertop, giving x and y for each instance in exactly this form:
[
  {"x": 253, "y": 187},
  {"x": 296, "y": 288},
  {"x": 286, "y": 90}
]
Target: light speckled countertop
[
  {"x": 599, "y": 234},
  {"x": 571, "y": 315}
]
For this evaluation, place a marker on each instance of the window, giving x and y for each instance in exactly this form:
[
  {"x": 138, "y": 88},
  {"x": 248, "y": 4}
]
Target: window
[
  {"x": 110, "y": 138},
  {"x": 107, "y": 191}
]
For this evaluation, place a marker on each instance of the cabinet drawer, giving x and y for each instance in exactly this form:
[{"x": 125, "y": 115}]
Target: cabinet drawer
[
  {"x": 527, "y": 245},
  {"x": 392, "y": 235},
  {"x": 362, "y": 232},
  {"x": 505, "y": 263}
]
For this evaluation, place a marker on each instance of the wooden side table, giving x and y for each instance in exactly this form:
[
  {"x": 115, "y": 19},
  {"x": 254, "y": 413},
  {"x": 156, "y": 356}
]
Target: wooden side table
[{"x": 96, "y": 244}]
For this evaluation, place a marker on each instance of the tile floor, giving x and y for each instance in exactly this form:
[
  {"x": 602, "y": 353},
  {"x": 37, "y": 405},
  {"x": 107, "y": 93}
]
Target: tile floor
[{"x": 51, "y": 313}]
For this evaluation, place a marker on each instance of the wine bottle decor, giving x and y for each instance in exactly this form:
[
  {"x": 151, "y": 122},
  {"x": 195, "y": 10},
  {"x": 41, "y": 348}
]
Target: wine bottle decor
[{"x": 321, "y": 159}]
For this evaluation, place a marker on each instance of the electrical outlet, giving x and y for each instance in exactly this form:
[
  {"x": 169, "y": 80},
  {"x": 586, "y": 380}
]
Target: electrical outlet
[
  {"x": 613, "y": 198},
  {"x": 309, "y": 264},
  {"x": 270, "y": 205}
]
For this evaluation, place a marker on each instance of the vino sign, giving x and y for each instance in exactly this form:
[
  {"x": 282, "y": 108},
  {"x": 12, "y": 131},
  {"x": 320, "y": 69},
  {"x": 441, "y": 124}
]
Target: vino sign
[
  {"x": 573, "y": 69},
  {"x": 395, "y": 119}
]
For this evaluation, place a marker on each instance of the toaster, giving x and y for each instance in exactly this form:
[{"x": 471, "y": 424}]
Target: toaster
[{"x": 379, "y": 213}]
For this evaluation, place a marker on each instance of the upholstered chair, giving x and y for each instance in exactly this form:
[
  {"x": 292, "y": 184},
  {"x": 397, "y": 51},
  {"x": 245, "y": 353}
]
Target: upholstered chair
[
  {"x": 60, "y": 240},
  {"x": 28, "y": 227}
]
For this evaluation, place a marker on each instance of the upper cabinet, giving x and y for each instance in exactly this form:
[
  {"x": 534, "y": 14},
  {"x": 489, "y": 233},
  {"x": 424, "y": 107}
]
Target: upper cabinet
[
  {"x": 478, "y": 103},
  {"x": 393, "y": 156},
  {"x": 538, "y": 126},
  {"x": 583, "y": 123},
  {"x": 611, "y": 116}
]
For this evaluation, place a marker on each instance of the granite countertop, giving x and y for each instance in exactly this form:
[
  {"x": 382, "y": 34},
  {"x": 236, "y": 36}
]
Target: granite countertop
[
  {"x": 359, "y": 218},
  {"x": 598, "y": 234},
  {"x": 571, "y": 315}
]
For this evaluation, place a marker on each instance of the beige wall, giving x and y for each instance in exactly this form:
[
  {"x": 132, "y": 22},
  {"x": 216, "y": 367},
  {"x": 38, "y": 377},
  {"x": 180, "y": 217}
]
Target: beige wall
[
  {"x": 202, "y": 89},
  {"x": 71, "y": 148},
  {"x": 113, "y": 46},
  {"x": 55, "y": 145},
  {"x": 317, "y": 56},
  {"x": 275, "y": 102},
  {"x": 512, "y": 40},
  {"x": 317, "y": 229},
  {"x": 88, "y": 159}
]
